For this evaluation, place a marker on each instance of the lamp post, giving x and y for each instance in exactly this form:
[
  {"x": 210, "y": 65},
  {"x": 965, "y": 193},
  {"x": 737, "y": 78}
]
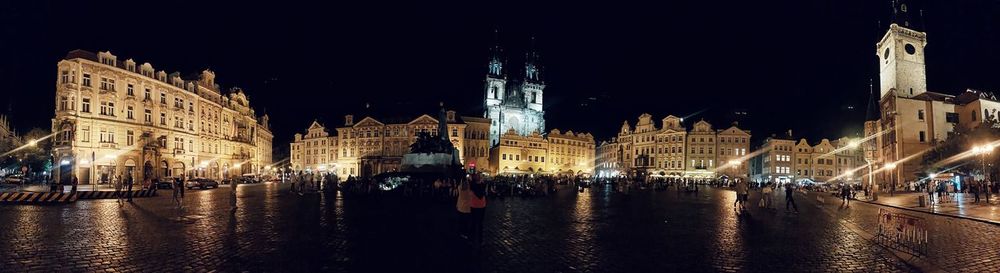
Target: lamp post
[
  {"x": 891, "y": 166},
  {"x": 982, "y": 151}
]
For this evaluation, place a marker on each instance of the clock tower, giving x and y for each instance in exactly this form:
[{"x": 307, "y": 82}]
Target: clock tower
[{"x": 901, "y": 56}]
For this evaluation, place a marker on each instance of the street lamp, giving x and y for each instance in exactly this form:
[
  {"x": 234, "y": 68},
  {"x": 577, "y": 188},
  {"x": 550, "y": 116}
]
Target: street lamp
[
  {"x": 982, "y": 151},
  {"x": 33, "y": 143},
  {"x": 890, "y": 166}
]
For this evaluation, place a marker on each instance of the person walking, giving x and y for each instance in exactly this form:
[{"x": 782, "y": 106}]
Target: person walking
[
  {"x": 742, "y": 193},
  {"x": 464, "y": 209},
  {"x": 75, "y": 182},
  {"x": 116, "y": 181},
  {"x": 477, "y": 203},
  {"x": 232, "y": 196},
  {"x": 128, "y": 186},
  {"x": 789, "y": 200},
  {"x": 845, "y": 196},
  {"x": 766, "y": 195},
  {"x": 975, "y": 190},
  {"x": 178, "y": 192}
]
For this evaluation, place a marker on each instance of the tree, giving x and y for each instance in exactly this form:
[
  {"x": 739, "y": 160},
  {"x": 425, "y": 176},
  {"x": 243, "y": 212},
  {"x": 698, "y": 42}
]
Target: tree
[{"x": 944, "y": 156}]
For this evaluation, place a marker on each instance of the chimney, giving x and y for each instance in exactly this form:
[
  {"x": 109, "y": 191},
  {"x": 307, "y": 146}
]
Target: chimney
[{"x": 349, "y": 120}]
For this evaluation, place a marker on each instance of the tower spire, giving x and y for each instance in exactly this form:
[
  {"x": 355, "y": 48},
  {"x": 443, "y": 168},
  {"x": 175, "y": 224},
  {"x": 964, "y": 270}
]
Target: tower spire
[
  {"x": 496, "y": 61},
  {"x": 871, "y": 112},
  {"x": 532, "y": 68},
  {"x": 901, "y": 14}
]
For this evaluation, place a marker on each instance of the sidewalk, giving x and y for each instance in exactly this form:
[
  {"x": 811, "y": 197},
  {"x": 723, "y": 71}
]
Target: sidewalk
[{"x": 961, "y": 205}]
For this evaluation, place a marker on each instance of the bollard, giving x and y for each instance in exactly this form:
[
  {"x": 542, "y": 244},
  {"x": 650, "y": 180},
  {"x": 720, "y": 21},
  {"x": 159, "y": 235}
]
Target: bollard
[{"x": 920, "y": 201}]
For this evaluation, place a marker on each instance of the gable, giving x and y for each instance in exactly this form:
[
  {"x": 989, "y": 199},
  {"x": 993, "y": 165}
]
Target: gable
[
  {"x": 315, "y": 125},
  {"x": 424, "y": 119},
  {"x": 368, "y": 121}
]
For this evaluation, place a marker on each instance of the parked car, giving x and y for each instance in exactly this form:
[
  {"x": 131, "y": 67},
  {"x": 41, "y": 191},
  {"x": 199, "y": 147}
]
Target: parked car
[
  {"x": 165, "y": 183},
  {"x": 202, "y": 183},
  {"x": 14, "y": 179}
]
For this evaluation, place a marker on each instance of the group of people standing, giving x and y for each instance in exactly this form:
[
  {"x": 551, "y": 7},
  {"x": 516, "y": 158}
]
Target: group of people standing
[
  {"x": 471, "y": 206},
  {"x": 742, "y": 189}
]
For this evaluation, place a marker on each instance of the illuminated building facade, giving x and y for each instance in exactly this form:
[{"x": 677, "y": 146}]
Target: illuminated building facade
[
  {"x": 122, "y": 118},
  {"x": 673, "y": 151},
  {"x": 372, "y": 146}
]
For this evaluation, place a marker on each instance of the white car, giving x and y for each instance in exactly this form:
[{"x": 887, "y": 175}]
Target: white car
[{"x": 14, "y": 179}]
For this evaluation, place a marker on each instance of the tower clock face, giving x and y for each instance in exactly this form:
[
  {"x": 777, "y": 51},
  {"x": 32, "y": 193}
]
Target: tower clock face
[{"x": 910, "y": 49}]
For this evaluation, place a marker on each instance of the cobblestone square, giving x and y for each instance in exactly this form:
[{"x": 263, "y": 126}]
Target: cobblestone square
[{"x": 570, "y": 231}]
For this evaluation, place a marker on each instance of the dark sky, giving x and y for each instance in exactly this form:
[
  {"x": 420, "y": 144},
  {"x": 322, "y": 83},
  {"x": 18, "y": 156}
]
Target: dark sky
[{"x": 797, "y": 65}]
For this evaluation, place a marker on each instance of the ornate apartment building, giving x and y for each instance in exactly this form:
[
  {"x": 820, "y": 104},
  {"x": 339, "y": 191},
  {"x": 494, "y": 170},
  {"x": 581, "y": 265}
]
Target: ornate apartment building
[
  {"x": 670, "y": 150},
  {"x": 117, "y": 117},
  {"x": 784, "y": 160},
  {"x": 556, "y": 153},
  {"x": 369, "y": 147}
]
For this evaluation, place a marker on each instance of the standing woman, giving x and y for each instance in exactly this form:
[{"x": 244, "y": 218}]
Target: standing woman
[
  {"x": 464, "y": 209},
  {"x": 478, "y": 204}
]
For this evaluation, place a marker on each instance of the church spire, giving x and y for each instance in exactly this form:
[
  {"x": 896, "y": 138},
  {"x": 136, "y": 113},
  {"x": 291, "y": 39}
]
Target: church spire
[
  {"x": 872, "y": 111},
  {"x": 532, "y": 67},
  {"x": 496, "y": 61}
]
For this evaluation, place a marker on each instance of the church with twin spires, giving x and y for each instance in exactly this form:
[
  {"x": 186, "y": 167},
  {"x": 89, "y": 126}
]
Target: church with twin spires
[{"x": 514, "y": 104}]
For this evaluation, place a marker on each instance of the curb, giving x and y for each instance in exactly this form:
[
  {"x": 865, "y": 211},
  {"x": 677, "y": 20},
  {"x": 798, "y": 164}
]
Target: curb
[
  {"x": 111, "y": 194},
  {"x": 36, "y": 198},
  {"x": 977, "y": 219}
]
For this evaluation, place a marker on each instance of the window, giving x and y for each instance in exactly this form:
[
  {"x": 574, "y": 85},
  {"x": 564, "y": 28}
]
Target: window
[
  {"x": 454, "y": 132},
  {"x": 130, "y": 91},
  {"x": 107, "y": 84},
  {"x": 951, "y": 117},
  {"x": 63, "y": 102},
  {"x": 86, "y": 105},
  {"x": 974, "y": 116},
  {"x": 163, "y": 118},
  {"x": 65, "y": 76},
  {"x": 149, "y": 116},
  {"x": 163, "y": 98},
  {"x": 130, "y": 113},
  {"x": 85, "y": 133},
  {"x": 147, "y": 95},
  {"x": 86, "y": 79},
  {"x": 191, "y": 107},
  {"x": 920, "y": 114},
  {"x": 129, "y": 138},
  {"x": 923, "y": 136}
]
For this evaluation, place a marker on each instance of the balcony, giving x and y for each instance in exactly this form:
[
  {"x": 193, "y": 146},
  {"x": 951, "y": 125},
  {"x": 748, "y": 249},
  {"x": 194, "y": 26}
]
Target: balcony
[
  {"x": 178, "y": 151},
  {"x": 111, "y": 145}
]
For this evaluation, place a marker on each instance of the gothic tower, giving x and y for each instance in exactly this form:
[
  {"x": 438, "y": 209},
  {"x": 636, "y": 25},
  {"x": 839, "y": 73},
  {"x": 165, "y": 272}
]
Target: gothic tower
[
  {"x": 533, "y": 84},
  {"x": 496, "y": 81},
  {"x": 901, "y": 55}
]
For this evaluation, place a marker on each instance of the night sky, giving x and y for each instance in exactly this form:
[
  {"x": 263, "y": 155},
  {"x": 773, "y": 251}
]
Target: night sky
[{"x": 801, "y": 65}]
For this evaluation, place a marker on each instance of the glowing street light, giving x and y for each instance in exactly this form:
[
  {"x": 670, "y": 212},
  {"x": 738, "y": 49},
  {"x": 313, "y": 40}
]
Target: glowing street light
[
  {"x": 890, "y": 165},
  {"x": 33, "y": 143},
  {"x": 854, "y": 144}
]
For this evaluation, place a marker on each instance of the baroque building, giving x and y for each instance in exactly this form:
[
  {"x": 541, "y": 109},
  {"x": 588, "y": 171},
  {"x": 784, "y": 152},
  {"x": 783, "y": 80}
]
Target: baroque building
[
  {"x": 117, "y": 117},
  {"x": 670, "y": 150},
  {"x": 371, "y": 146},
  {"x": 514, "y": 104},
  {"x": 781, "y": 159},
  {"x": 555, "y": 153}
]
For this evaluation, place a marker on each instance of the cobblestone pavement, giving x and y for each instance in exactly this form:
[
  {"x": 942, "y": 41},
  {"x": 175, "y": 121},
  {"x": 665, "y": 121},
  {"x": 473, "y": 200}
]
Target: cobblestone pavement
[
  {"x": 956, "y": 245},
  {"x": 593, "y": 231},
  {"x": 956, "y": 204}
]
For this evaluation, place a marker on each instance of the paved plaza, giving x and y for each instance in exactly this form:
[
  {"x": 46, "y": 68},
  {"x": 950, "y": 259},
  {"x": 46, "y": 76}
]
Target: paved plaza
[{"x": 591, "y": 231}]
